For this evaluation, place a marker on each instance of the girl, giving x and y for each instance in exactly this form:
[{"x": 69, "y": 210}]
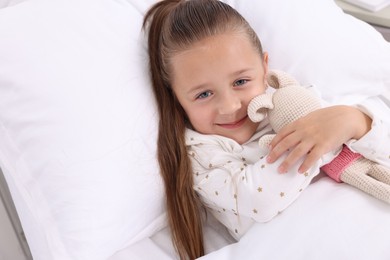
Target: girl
[{"x": 206, "y": 65}]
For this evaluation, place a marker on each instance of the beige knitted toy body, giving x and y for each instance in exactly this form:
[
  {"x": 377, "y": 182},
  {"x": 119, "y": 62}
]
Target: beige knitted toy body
[{"x": 291, "y": 101}]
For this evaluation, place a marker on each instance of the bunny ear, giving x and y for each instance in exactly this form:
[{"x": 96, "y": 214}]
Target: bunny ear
[
  {"x": 279, "y": 79},
  {"x": 257, "y": 108}
]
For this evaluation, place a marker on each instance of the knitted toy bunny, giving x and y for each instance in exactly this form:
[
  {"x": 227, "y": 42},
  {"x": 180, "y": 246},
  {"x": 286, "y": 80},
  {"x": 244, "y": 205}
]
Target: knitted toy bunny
[{"x": 291, "y": 101}]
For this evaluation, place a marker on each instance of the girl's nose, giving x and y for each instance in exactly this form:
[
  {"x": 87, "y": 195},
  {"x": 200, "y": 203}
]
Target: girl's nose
[{"x": 229, "y": 104}]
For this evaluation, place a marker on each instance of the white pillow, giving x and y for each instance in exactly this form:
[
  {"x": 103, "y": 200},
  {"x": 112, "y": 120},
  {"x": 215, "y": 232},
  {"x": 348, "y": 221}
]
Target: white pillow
[
  {"x": 319, "y": 44},
  {"x": 78, "y": 121},
  {"x": 5, "y": 3},
  {"x": 78, "y": 126}
]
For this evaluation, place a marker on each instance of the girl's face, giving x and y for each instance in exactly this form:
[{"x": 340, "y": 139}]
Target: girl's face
[{"x": 214, "y": 82}]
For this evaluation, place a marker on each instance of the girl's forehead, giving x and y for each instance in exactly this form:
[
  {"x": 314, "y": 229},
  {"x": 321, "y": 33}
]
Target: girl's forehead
[
  {"x": 215, "y": 41},
  {"x": 223, "y": 55}
]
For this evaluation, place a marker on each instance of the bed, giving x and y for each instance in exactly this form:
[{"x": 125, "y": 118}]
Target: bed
[{"x": 78, "y": 131}]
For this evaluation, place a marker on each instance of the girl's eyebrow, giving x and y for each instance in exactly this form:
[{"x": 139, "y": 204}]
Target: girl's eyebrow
[
  {"x": 197, "y": 88},
  {"x": 239, "y": 72}
]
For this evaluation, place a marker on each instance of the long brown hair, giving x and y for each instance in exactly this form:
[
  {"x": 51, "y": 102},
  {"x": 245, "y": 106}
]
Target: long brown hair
[{"x": 174, "y": 26}]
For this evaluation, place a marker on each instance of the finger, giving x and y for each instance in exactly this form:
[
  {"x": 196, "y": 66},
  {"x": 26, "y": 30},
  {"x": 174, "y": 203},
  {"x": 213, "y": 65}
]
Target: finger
[
  {"x": 283, "y": 133},
  {"x": 283, "y": 146},
  {"x": 312, "y": 157},
  {"x": 298, "y": 152}
]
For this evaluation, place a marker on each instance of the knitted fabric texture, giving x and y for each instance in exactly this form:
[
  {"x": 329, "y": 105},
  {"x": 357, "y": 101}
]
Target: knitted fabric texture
[
  {"x": 335, "y": 168},
  {"x": 300, "y": 103},
  {"x": 370, "y": 177},
  {"x": 289, "y": 96},
  {"x": 258, "y": 107}
]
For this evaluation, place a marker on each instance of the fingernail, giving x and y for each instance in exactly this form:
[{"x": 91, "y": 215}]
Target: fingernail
[
  {"x": 269, "y": 159},
  {"x": 281, "y": 169}
]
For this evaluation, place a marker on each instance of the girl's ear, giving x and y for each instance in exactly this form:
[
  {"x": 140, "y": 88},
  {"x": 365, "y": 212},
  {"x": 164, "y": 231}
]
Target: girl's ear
[
  {"x": 265, "y": 67},
  {"x": 265, "y": 62}
]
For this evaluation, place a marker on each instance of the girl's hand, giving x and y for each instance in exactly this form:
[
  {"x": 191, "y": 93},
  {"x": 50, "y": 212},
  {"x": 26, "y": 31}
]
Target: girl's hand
[{"x": 318, "y": 133}]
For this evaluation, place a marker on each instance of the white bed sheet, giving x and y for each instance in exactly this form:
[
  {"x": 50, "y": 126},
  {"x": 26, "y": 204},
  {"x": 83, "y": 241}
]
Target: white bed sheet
[
  {"x": 160, "y": 247},
  {"x": 356, "y": 226}
]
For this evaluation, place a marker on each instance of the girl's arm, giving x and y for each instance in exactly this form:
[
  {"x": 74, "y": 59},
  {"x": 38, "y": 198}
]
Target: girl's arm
[
  {"x": 375, "y": 145},
  {"x": 365, "y": 128},
  {"x": 239, "y": 186}
]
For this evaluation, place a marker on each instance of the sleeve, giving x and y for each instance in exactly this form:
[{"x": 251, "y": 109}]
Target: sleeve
[
  {"x": 375, "y": 145},
  {"x": 239, "y": 190}
]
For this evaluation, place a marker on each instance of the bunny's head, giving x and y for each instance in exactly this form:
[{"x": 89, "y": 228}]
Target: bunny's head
[{"x": 289, "y": 102}]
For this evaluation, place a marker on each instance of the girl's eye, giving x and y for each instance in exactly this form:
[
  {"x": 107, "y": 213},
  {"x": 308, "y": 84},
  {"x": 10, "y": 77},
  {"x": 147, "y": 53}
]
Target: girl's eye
[
  {"x": 240, "y": 82},
  {"x": 204, "y": 95}
]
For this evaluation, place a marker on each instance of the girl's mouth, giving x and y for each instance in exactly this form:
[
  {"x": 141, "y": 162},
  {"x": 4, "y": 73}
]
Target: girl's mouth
[{"x": 234, "y": 124}]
